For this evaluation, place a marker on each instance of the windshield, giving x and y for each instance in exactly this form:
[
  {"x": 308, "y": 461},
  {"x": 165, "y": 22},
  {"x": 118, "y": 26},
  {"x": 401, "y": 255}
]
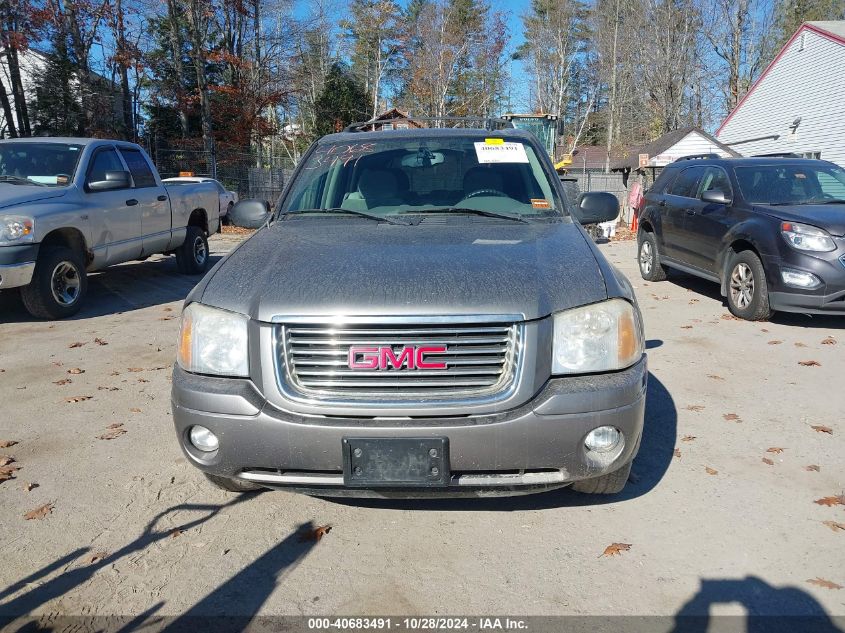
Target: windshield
[
  {"x": 792, "y": 184},
  {"x": 431, "y": 174},
  {"x": 46, "y": 164}
]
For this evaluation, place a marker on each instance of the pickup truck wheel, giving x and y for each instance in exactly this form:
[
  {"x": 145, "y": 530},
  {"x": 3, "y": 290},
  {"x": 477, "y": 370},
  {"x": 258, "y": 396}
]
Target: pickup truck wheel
[
  {"x": 192, "y": 256},
  {"x": 232, "y": 485},
  {"x": 648, "y": 257},
  {"x": 608, "y": 484},
  {"x": 748, "y": 292},
  {"x": 58, "y": 284}
]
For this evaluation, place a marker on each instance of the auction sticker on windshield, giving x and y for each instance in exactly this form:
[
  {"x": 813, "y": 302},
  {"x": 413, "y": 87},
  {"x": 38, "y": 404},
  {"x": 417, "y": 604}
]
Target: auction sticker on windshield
[{"x": 488, "y": 152}]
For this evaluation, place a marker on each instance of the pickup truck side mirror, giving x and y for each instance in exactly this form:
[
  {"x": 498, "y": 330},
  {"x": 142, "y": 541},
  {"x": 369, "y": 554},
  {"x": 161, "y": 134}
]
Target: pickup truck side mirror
[
  {"x": 595, "y": 207},
  {"x": 715, "y": 196},
  {"x": 249, "y": 214},
  {"x": 112, "y": 180}
]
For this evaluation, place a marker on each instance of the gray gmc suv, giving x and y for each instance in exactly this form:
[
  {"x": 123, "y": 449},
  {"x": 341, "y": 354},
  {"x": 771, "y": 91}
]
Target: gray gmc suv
[{"x": 419, "y": 315}]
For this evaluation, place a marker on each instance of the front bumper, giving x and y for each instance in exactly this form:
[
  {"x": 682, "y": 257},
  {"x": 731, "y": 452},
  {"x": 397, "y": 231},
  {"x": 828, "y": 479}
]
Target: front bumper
[
  {"x": 17, "y": 265},
  {"x": 537, "y": 446},
  {"x": 829, "y": 298}
]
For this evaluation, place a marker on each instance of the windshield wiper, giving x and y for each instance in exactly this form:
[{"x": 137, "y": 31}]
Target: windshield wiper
[
  {"x": 19, "y": 180},
  {"x": 489, "y": 214},
  {"x": 825, "y": 201},
  {"x": 363, "y": 214}
]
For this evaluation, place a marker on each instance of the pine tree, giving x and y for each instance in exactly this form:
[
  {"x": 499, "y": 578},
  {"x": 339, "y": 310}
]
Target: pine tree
[
  {"x": 342, "y": 101},
  {"x": 57, "y": 110}
]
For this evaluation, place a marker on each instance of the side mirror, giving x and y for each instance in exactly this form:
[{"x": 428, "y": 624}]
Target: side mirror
[
  {"x": 112, "y": 180},
  {"x": 596, "y": 206},
  {"x": 715, "y": 196},
  {"x": 249, "y": 214}
]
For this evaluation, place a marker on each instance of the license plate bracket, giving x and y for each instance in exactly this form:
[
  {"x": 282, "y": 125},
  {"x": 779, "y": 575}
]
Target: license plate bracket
[{"x": 391, "y": 461}]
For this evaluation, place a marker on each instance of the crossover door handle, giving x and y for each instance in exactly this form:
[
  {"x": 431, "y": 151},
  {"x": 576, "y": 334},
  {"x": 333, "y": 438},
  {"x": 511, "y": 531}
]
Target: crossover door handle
[
  {"x": 162, "y": 198},
  {"x": 131, "y": 202}
]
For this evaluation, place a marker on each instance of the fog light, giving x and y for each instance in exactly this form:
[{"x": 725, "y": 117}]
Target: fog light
[
  {"x": 799, "y": 279},
  {"x": 603, "y": 439},
  {"x": 203, "y": 439}
]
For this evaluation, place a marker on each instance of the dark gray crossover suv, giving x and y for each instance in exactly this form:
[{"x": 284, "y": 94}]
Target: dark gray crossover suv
[
  {"x": 770, "y": 230},
  {"x": 419, "y": 315}
]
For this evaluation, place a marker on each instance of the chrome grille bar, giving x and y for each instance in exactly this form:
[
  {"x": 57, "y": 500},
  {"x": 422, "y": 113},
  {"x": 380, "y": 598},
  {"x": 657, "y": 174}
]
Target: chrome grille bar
[{"x": 480, "y": 359}]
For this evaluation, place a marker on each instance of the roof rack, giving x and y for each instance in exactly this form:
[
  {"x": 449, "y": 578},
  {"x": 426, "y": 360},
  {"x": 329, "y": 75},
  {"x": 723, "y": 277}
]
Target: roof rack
[
  {"x": 486, "y": 123},
  {"x": 697, "y": 157},
  {"x": 778, "y": 155}
]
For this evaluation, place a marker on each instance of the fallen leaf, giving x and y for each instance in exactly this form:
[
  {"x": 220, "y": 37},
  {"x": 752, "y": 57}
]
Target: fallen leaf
[
  {"x": 812, "y": 468},
  {"x": 39, "y": 512},
  {"x": 135, "y": 410},
  {"x": 688, "y": 438},
  {"x": 8, "y": 472},
  {"x": 116, "y": 425},
  {"x": 686, "y": 327},
  {"x": 78, "y": 398},
  {"x": 731, "y": 417},
  {"x": 714, "y": 377},
  {"x": 775, "y": 449},
  {"x": 176, "y": 532},
  {"x": 5, "y": 460},
  {"x": 730, "y": 317},
  {"x": 829, "y": 341},
  {"x": 63, "y": 381},
  {"x": 826, "y": 584},
  {"x": 57, "y": 363},
  {"x": 136, "y": 369},
  {"x": 100, "y": 341},
  {"x": 768, "y": 461},
  {"x": 7, "y": 443},
  {"x": 168, "y": 309},
  {"x": 115, "y": 432},
  {"x": 115, "y": 373},
  {"x": 695, "y": 407},
  {"x": 691, "y": 301},
  {"x": 833, "y": 525},
  {"x": 143, "y": 380},
  {"x": 822, "y": 429},
  {"x": 809, "y": 363},
  {"x": 831, "y": 501},
  {"x": 77, "y": 344},
  {"x": 108, "y": 388},
  {"x": 775, "y": 342},
  {"x": 800, "y": 345},
  {"x": 30, "y": 485},
  {"x": 762, "y": 329},
  {"x": 678, "y": 453},
  {"x": 75, "y": 371},
  {"x": 615, "y": 549},
  {"x": 711, "y": 471},
  {"x": 96, "y": 558},
  {"x": 316, "y": 534}
]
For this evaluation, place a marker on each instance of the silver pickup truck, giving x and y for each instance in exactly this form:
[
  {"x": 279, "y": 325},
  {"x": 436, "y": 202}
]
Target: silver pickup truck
[{"x": 69, "y": 206}]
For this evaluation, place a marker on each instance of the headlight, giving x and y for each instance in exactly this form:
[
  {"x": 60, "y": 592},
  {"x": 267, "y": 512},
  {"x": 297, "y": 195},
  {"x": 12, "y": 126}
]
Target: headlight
[
  {"x": 600, "y": 337},
  {"x": 16, "y": 228},
  {"x": 807, "y": 238},
  {"x": 213, "y": 341}
]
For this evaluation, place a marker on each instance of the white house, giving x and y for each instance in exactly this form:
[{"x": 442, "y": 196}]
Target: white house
[{"x": 798, "y": 103}]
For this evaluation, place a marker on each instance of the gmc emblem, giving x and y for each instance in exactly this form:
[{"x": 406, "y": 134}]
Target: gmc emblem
[{"x": 385, "y": 357}]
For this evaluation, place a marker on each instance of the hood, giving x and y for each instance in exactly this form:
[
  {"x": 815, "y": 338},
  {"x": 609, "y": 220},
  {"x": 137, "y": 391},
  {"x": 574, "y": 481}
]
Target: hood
[
  {"x": 324, "y": 266},
  {"x": 830, "y": 217},
  {"x": 11, "y": 195}
]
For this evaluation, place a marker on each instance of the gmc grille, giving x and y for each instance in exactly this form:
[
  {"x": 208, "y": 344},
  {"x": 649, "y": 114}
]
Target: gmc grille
[{"x": 480, "y": 359}]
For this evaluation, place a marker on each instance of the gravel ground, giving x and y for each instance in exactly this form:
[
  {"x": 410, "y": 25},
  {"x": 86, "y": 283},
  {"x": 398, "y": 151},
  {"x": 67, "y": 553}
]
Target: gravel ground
[{"x": 712, "y": 525}]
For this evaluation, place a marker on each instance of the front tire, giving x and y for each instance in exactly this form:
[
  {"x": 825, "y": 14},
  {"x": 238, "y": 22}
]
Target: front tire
[
  {"x": 231, "y": 485},
  {"x": 608, "y": 484},
  {"x": 748, "y": 292},
  {"x": 58, "y": 284},
  {"x": 192, "y": 256},
  {"x": 648, "y": 257}
]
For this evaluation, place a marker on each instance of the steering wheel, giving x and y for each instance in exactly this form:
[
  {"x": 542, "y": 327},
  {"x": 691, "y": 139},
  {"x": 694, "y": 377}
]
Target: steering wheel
[{"x": 486, "y": 192}]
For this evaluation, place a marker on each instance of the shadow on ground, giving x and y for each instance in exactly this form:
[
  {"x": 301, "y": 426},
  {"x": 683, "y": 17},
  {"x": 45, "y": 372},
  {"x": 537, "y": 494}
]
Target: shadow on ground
[
  {"x": 652, "y": 462},
  {"x": 242, "y": 596},
  {"x": 118, "y": 289},
  {"x": 768, "y": 609}
]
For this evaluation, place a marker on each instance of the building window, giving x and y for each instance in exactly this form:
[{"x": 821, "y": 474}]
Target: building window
[
  {"x": 802, "y": 41},
  {"x": 816, "y": 155},
  {"x": 387, "y": 126}
]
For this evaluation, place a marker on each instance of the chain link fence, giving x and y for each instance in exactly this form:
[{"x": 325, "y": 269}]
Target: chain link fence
[{"x": 246, "y": 173}]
